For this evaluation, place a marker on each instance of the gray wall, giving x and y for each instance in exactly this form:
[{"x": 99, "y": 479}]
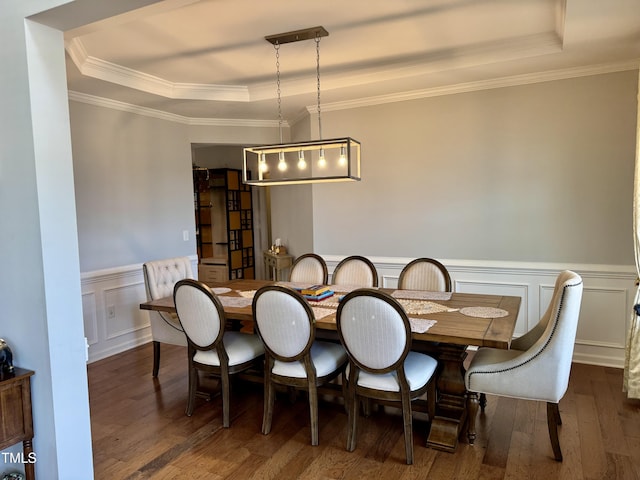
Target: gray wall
[
  {"x": 539, "y": 173},
  {"x": 134, "y": 187},
  {"x": 292, "y": 205}
]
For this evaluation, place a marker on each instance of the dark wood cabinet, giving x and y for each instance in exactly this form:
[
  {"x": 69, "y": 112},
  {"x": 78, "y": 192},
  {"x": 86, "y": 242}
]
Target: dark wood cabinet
[
  {"x": 224, "y": 225},
  {"x": 16, "y": 422}
]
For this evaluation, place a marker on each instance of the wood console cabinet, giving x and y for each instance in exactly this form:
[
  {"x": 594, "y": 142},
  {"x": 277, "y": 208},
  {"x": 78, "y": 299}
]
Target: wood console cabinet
[
  {"x": 274, "y": 265},
  {"x": 16, "y": 423}
]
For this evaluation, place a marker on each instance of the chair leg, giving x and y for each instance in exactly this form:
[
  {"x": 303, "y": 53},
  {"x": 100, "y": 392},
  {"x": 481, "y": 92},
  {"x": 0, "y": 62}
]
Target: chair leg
[
  {"x": 366, "y": 407},
  {"x": 156, "y": 358},
  {"x": 408, "y": 427},
  {"x": 558, "y": 418},
  {"x": 226, "y": 387},
  {"x": 483, "y": 401},
  {"x": 553, "y": 415},
  {"x": 472, "y": 412},
  {"x": 269, "y": 397},
  {"x": 193, "y": 387},
  {"x": 353, "y": 405},
  {"x": 313, "y": 410}
]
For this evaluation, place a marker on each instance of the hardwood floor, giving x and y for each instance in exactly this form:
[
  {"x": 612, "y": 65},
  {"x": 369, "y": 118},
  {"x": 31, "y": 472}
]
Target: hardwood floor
[{"x": 140, "y": 431}]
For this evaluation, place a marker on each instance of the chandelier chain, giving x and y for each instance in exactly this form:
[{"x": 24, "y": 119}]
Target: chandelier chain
[
  {"x": 276, "y": 46},
  {"x": 318, "y": 77}
]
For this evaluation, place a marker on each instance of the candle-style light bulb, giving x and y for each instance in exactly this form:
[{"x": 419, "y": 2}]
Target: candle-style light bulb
[
  {"x": 263, "y": 163},
  {"x": 282, "y": 165},
  {"x": 322, "y": 161},
  {"x": 342, "y": 161},
  {"x": 302, "y": 164}
]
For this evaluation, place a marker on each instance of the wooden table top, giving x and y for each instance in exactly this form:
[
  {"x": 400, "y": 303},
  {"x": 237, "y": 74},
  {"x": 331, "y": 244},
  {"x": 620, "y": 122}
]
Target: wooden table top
[{"x": 451, "y": 327}]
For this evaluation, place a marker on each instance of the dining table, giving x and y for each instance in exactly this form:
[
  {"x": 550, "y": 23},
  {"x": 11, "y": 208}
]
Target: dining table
[{"x": 443, "y": 324}]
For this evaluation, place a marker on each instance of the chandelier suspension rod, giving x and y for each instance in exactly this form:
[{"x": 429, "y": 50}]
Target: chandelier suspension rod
[
  {"x": 318, "y": 76},
  {"x": 276, "y": 46}
]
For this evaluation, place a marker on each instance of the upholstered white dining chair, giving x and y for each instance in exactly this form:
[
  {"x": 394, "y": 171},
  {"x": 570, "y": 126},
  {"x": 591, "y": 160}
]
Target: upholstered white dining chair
[
  {"x": 309, "y": 268},
  {"x": 212, "y": 349},
  {"x": 537, "y": 366},
  {"x": 160, "y": 276},
  {"x": 376, "y": 333},
  {"x": 425, "y": 274},
  {"x": 355, "y": 270},
  {"x": 286, "y": 324}
]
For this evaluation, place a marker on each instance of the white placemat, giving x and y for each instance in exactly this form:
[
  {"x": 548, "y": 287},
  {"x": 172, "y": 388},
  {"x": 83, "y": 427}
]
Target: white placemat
[
  {"x": 322, "y": 312},
  {"x": 220, "y": 290},
  {"x": 484, "y": 312},
  {"x": 423, "y": 307},
  {"x": 237, "y": 302},
  {"x": 421, "y": 325},
  {"x": 421, "y": 295},
  {"x": 247, "y": 293},
  {"x": 330, "y": 302}
]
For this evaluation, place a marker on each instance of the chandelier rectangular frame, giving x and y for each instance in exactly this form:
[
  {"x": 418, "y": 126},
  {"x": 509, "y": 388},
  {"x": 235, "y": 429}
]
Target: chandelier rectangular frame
[{"x": 314, "y": 161}]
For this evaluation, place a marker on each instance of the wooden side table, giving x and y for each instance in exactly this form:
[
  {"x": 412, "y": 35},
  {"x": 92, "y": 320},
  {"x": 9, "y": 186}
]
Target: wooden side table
[
  {"x": 16, "y": 422},
  {"x": 275, "y": 264}
]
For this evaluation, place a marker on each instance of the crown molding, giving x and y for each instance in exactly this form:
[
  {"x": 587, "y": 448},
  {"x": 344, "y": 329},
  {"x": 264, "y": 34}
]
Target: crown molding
[
  {"x": 171, "y": 117},
  {"x": 368, "y": 101},
  {"x": 127, "y": 77},
  {"x": 502, "y": 82},
  {"x": 482, "y": 54}
]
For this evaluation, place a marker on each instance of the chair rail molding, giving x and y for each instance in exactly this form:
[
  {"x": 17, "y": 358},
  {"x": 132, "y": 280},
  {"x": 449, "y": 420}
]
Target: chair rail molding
[{"x": 607, "y": 298}]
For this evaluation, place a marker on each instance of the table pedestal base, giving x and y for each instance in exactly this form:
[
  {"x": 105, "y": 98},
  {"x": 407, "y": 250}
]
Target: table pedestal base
[{"x": 451, "y": 411}]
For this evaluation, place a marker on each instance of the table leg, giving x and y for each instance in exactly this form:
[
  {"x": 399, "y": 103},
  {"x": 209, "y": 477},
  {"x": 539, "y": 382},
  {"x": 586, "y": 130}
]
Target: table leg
[{"x": 451, "y": 409}]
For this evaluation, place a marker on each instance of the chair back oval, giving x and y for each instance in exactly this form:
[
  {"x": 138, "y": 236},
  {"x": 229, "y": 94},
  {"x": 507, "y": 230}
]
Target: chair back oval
[
  {"x": 425, "y": 274},
  {"x": 284, "y": 321},
  {"x": 309, "y": 268},
  {"x": 355, "y": 270},
  {"x": 374, "y": 330},
  {"x": 200, "y": 313}
]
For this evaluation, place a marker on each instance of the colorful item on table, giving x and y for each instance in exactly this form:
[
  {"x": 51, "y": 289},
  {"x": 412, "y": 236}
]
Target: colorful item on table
[
  {"x": 315, "y": 290},
  {"x": 318, "y": 298}
]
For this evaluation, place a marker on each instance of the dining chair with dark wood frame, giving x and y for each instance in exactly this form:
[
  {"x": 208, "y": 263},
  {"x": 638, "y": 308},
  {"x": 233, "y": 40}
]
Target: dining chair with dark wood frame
[
  {"x": 376, "y": 333},
  {"x": 293, "y": 357},
  {"x": 309, "y": 268},
  {"x": 355, "y": 270},
  {"x": 425, "y": 274},
  {"x": 211, "y": 348}
]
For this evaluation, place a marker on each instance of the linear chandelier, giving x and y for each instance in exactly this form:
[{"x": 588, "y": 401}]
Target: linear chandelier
[{"x": 314, "y": 161}]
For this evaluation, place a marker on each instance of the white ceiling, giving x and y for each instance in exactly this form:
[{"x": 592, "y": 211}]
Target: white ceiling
[{"x": 209, "y": 59}]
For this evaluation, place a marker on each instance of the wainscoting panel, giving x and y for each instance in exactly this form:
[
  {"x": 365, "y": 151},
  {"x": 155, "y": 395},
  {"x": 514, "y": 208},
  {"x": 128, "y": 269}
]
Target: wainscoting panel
[
  {"x": 606, "y": 303},
  {"x": 111, "y": 301},
  {"x": 89, "y": 312}
]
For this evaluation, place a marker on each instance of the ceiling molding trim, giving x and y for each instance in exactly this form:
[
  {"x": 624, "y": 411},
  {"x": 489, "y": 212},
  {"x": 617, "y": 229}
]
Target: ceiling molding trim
[
  {"x": 127, "y": 77},
  {"x": 231, "y": 122},
  {"x": 125, "y": 107},
  {"x": 150, "y": 112},
  {"x": 502, "y": 82}
]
